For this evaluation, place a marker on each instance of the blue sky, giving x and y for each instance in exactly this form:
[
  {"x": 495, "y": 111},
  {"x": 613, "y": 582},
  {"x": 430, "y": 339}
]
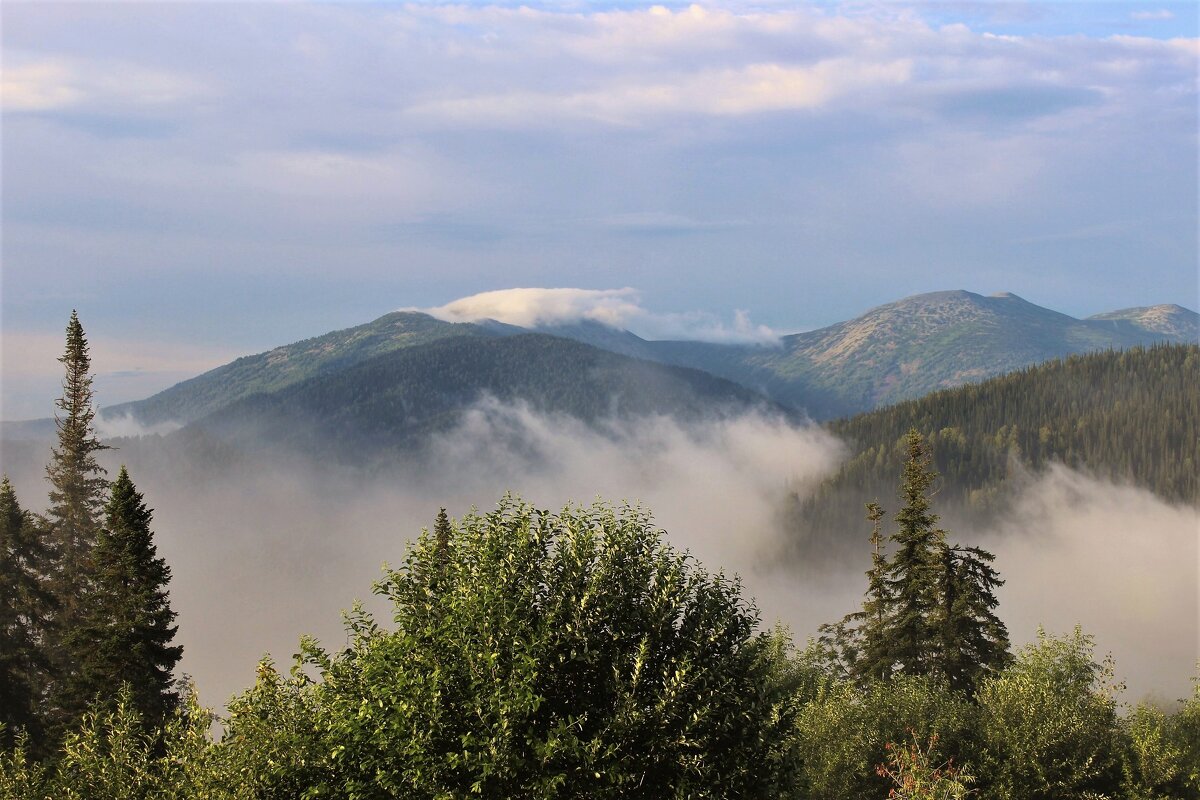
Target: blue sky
[{"x": 207, "y": 180}]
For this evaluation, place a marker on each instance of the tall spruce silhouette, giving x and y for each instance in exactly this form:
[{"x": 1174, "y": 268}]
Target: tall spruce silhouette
[
  {"x": 125, "y": 631},
  {"x": 25, "y": 605},
  {"x": 930, "y": 605},
  {"x": 77, "y": 481}
]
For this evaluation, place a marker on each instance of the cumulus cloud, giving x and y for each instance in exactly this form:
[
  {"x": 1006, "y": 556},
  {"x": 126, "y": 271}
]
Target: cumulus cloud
[
  {"x": 749, "y": 89},
  {"x": 533, "y": 307},
  {"x": 617, "y": 308},
  {"x": 58, "y": 83}
]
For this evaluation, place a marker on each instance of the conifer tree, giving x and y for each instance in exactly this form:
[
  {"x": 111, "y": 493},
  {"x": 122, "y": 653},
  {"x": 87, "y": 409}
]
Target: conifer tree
[
  {"x": 930, "y": 607},
  {"x": 77, "y": 481},
  {"x": 858, "y": 643},
  {"x": 125, "y": 631},
  {"x": 974, "y": 640},
  {"x": 876, "y": 656},
  {"x": 24, "y": 606},
  {"x": 913, "y": 573}
]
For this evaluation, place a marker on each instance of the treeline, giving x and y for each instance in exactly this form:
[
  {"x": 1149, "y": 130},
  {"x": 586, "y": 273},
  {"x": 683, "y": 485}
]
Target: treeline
[
  {"x": 83, "y": 600},
  {"x": 1131, "y": 416}
]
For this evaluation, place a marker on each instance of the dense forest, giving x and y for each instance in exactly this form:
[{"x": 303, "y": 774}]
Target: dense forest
[
  {"x": 1129, "y": 416},
  {"x": 570, "y": 654},
  {"x": 391, "y": 403}
]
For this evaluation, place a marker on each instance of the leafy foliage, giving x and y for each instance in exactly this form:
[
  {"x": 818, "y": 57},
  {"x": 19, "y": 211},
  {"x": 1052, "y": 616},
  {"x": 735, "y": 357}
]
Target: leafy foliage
[
  {"x": 844, "y": 731},
  {"x": 1048, "y": 723},
  {"x": 552, "y": 655},
  {"x": 917, "y": 774}
]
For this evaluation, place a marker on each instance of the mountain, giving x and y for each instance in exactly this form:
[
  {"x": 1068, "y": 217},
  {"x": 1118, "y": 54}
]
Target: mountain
[
  {"x": 921, "y": 344},
  {"x": 894, "y": 352},
  {"x": 1171, "y": 321},
  {"x": 392, "y": 402},
  {"x": 1130, "y": 416},
  {"x": 294, "y": 363}
]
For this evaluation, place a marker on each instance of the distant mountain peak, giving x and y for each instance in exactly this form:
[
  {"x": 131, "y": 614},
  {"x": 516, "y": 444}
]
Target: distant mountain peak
[{"x": 1167, "y": 319}]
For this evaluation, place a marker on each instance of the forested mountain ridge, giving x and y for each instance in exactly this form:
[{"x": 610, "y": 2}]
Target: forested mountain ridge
[
  {"x": 920, "y": 344},
  {"x": 897, "y": 351},
  {"x": 392, "y": 402},
  {"x": 1131, "y": 416},
  {"x": 290, "y": 364}
]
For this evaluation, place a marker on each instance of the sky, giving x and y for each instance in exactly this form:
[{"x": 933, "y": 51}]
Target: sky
[{"x": 208, "y": 180}]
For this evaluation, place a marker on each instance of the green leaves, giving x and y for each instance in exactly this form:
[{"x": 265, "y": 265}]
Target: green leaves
[{"x": 540, "y": 655}]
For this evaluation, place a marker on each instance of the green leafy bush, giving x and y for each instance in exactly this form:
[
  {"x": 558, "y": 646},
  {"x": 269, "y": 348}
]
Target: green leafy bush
[
  {"x": 1049, "y": 723},
  {"x": 535, "y": 655}
]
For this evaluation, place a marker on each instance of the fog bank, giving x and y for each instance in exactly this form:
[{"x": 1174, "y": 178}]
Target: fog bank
[{"x": 265, "y": 551}]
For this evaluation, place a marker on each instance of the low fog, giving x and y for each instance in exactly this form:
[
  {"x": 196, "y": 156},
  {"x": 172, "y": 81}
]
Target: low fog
[{"x": 268, "y": 550}]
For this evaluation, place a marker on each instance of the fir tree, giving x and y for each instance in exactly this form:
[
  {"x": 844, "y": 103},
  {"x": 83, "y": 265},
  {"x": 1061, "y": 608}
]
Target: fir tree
[
  {"x": 77, "y": 481},
  {"x": 24, "y": 606},
  {"x": 76, "y": 500},
  {"x": 912, "y": 575},
  {"x": 858, "y": 644},
  {"x": 125, "y": 632},
  {"x": 974, "y": 641},
  {"x": 930, "y": 607},
  {"x": 876, "y": 651}
]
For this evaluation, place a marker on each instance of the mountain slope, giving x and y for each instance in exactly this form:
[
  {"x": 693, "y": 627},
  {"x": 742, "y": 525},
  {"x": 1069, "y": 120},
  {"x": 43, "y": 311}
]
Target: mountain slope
[
  {"x": 1131, "y": 416},
  {"x": 891, "y": 353},
  {"x": 392, "y": 402},
  {"x": 291, "y": 364},
  {"x": 917, "y": 345},
  {"x": 1170, "y": 320}
]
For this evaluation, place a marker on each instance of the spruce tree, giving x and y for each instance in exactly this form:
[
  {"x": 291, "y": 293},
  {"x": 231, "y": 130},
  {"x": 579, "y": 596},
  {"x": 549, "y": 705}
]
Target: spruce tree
[
  {"x": 77, "y": 481},
  {"x": 858, "y": 644},
  {"x": 974, "y": 641},
  {"x": 25, "y": 604},
  {"x": 913, "y": 573},
  {"x": 125, "y": 631},
  {"x": 930, "y": 607}
]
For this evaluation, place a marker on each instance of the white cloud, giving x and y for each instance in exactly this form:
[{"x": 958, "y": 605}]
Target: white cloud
[
  {"x": 749, "y": 89},
  {"x": 1158, "y": 14},
  {"x": 530, "y": 308},
  {"x": 125, "y": 426},
  {"x": 617, "y": 308},
  {"x": 58, "y": 83}
]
